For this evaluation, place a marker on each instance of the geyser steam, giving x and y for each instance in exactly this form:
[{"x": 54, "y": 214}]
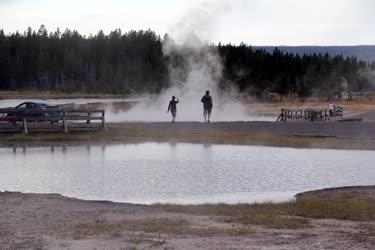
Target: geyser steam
[{"x": 193, "y": 69}]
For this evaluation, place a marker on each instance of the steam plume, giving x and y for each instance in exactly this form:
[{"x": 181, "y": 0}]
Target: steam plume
[{"x": 194, "y": 67}]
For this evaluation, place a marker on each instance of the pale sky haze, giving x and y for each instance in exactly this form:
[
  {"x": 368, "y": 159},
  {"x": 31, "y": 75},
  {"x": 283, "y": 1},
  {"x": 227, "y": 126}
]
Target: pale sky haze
[{"x": 255, "y": 22}]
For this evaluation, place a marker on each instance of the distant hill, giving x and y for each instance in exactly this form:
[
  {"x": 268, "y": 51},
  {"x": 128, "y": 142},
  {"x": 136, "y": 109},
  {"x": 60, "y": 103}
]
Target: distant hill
[{"x": 362, "y": 52}]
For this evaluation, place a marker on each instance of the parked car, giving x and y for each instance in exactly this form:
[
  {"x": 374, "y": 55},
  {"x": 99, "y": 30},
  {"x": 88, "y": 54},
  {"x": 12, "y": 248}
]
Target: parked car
[{"x": 36, "y": 110}]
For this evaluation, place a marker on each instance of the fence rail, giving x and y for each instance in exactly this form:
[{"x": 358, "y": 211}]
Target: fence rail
[
  {"x": 71, "y": 119},
  {"x": 311, "y": 115}
]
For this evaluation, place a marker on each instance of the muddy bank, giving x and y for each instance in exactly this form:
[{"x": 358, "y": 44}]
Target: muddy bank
[
  {"x": 341, "y": 130},
  {"x": 336, "y": 135},
  {"x": 51, "y": 221}
]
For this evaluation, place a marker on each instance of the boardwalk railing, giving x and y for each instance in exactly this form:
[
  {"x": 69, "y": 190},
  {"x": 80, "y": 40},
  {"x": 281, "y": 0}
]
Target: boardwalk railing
[
  {"x": 311, "y": 115},
  {"x": 53, "y": 116},
  {"x": 338, "y": 111}
]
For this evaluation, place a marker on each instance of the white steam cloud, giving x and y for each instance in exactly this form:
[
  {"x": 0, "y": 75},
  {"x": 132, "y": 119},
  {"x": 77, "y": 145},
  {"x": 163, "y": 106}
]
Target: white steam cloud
[
  {"x": 204, "y": 20},
  {"x": 369, "y": 75},
  {"x": 194, "y": 67}
]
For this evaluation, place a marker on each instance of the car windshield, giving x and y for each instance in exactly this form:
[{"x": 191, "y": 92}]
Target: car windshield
[
  {"x": 22, "y": 106},
  {"x": 32, "y": 105}
]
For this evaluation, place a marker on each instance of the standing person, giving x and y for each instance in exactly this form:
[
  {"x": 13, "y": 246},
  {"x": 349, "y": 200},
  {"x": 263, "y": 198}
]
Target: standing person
[
  {"x": 331, "y": 108},
  {"x": 173, "y": 108},
  {"x": 207, "y": 106}
]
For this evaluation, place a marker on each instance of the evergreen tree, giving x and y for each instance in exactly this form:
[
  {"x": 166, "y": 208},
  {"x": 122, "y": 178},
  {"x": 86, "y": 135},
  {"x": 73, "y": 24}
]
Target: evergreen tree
[{"x": 134, "y": 61}]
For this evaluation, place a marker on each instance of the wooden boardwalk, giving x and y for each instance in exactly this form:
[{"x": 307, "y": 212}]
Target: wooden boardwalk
[
  {"x": 311, "y": 115},
  {"x": 50, "y": 120}
]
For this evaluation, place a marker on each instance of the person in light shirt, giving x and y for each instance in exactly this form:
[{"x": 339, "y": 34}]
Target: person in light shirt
[
  {"x": 331, "y": 108},
  {"x": 173, "y": 108}
]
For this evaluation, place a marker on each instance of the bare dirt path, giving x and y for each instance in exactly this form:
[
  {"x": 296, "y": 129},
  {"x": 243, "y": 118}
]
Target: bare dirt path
[
  {"x": 335, "y": 135},
  {"x": 342, "y": 130},
  {"x": 51, "y": 221}
]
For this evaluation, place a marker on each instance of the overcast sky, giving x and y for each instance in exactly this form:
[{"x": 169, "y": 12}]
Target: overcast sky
[{"x": 255, "y": 22}]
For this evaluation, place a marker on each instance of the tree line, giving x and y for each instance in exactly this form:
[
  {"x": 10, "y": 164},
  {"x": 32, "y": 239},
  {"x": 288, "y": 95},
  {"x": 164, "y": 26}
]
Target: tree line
[
  {"x": 134, "y": 62},
  {"x": 68, "y": 61},
  {"x": 321, "y": 75}
]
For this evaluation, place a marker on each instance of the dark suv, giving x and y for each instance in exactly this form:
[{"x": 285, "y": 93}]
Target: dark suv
[{"x": 36, "y": 110}]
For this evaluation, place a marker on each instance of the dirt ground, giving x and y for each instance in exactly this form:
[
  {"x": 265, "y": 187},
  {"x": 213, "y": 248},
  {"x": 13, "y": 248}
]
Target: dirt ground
[
  {"x": 51, "y": 221},
  {"x": 341, "y": 130}
]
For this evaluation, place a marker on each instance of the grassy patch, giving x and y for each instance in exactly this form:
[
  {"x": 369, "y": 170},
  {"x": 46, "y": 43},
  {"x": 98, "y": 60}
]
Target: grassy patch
[
  {"x": 273, "y": 221},
  {"x": 163, "y": 225},
  {"x": 345, "y": 209},
  {"x": 153, "y": 225},
  {"x": 271, "y": 215},
  {"x": 290, "y": 215}
]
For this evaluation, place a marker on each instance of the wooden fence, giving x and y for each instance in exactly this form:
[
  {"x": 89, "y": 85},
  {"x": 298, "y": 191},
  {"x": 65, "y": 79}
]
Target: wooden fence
[
  {"x": 80, "y": 118},
  {"x": 311, "y": 115}
]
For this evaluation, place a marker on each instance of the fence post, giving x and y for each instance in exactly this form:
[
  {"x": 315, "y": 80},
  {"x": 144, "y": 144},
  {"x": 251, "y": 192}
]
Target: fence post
[
  {"x": 25, "y": 131},
  {"x": 286, "y": 114},
  {"x": 282, "y": 115},
  {"x": 65, "y": 125},
  {"x": 104, "y": 127},
  {"x": 89, "y": 115}
]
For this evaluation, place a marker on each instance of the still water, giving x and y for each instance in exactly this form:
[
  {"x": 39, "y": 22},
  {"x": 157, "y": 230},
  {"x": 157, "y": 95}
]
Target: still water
[{"x": 182, "y": 172}]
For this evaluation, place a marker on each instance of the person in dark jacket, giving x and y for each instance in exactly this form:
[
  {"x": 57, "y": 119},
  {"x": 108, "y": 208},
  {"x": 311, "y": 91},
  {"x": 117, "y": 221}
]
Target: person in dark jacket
[
  {"x": 173, "y": 108},
  {"x": 207, "y": 106}
]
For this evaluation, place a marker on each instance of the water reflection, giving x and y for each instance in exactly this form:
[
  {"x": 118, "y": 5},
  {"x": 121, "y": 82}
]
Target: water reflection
[
  {"x": 25, "y": 148},
  {"x": 179, "y": 172}
]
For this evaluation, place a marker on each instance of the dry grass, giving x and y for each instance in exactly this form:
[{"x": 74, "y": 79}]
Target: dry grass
[
  {"x": 345, "y": 209},
  {"x": 290, "y": 215},
  {"x": 272, "y": 221},
  {"x": 153, "y": 225},
  {"x": 272, "y": 215},
  {"x": 163, "y": 225}
]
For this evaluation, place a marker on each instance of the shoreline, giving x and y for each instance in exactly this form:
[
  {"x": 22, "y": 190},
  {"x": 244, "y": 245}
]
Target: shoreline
[
  {"x": 366, "y": 192},
  {"x": 229, "y": 199},
  {"x": 322, "y": 193},
  {"x": 334, "y": 135},
  {"x": 265, "y": 141},
  {"x": 344, "y": 219}
]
